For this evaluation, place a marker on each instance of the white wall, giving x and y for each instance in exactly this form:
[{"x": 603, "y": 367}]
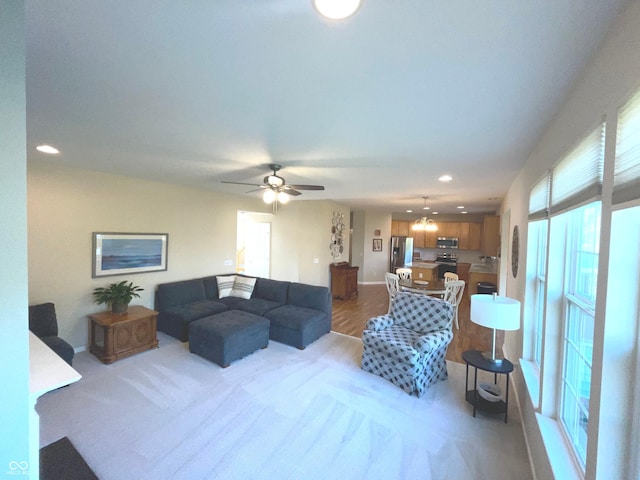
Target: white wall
[
  {"x": 612, "y": 75},
  {"x": 66, "y": 205},
  {"x": 14, "y": 342},
  {"x": 375, "y": 264}
]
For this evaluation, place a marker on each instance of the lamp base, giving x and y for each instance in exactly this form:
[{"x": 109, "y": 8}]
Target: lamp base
[{"x": 490, "y": 358}]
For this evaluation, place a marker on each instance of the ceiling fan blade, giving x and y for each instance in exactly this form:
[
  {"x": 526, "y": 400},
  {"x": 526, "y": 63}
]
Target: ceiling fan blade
[
  {"x": 291, "y": 191},
  {"x": 242, "y": 183},
  {"x": 307, "y": 187}
]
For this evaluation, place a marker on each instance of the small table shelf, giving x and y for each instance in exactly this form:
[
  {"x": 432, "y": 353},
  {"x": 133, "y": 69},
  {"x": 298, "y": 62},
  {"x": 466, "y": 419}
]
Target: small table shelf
[{"x": 476, "y": 360}]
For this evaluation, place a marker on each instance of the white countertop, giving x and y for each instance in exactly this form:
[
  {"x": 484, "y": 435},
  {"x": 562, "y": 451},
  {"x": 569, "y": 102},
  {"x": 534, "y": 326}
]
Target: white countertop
[{"x": 47, "y": 371}]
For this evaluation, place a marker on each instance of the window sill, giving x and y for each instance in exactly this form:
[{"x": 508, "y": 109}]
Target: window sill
[
  {"x": 531, "y": 376},
  {"x": 560, "y": 457}
]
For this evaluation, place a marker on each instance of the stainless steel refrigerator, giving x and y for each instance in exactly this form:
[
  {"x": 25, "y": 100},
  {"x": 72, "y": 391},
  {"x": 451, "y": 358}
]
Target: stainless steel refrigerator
[{"x": 401, "y": 252}]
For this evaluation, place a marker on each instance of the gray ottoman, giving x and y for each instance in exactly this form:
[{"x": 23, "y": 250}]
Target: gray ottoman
[{"x": 228, "y": 336}]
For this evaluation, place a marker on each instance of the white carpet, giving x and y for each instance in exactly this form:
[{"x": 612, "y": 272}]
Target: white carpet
[{"x": 280, "y": 413}]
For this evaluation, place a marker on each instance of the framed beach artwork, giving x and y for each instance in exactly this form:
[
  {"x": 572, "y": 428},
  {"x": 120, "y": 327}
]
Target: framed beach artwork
[
  {"x": 127, "y": 253},
  {"x": 377, "y": 244}
]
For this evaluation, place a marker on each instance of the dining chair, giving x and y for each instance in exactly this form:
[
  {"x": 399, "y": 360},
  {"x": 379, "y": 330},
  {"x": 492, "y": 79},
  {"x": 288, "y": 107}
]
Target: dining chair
[
  {"x": 453, "y": 295},
  {"x": 404, "y": 273},
  {"x": 393, "y": 287},
  {"x": 449, "y": 276}
]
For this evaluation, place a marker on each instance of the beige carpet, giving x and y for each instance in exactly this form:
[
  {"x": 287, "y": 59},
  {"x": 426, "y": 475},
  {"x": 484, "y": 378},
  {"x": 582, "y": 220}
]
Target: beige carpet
[{"x": 280, "y": 413}]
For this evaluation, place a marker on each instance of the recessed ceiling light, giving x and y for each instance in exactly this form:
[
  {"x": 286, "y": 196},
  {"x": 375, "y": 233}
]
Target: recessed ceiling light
[
  {"x": 445, "y": 178},
  {"x": 460, "y": 207},
  {"x": 409, "y": 211},
  {"x": 48, "y": 149},
  {"x": 434, "y": 213},
  {"x": 336, "y": 9},
  {"x": 425, "y": 208},
  {"x": 463, "y": 212}
]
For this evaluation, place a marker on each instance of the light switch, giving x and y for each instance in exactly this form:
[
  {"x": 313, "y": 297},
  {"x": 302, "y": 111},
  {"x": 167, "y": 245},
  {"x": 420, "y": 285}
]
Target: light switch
[
  {"x": 228, "y": 263},
  {"x": 316, "y": 260}
]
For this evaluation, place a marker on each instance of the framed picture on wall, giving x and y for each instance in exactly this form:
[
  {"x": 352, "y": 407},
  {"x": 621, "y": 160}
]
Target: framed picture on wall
[
  {"x": 127, "y": 253},
  {"x": 377, "y": 244}
]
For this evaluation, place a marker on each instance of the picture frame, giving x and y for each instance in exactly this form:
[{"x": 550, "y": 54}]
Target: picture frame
[
  {"x": 128, "y": 253},
  {"x": 377, "y": 244}
]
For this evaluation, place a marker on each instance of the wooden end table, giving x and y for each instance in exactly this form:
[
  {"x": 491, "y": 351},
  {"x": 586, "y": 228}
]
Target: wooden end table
[
  {"x": 113, "y": 336},
  {"x": 476, "y": 360}
]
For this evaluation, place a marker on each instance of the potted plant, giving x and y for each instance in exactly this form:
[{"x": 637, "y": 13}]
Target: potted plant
[{"x": 118, "y": 295}]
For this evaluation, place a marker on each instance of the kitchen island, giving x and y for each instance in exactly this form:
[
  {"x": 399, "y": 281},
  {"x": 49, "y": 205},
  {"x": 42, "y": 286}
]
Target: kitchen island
[{"x": 423, "y": 271}]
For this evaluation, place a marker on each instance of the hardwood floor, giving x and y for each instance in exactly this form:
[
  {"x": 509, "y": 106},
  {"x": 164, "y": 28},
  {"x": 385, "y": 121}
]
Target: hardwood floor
[{"x": 350, "y": 316}]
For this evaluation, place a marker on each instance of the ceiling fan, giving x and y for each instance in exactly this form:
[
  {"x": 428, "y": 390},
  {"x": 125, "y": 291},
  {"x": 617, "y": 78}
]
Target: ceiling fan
[{"x": 276, "y": 189}]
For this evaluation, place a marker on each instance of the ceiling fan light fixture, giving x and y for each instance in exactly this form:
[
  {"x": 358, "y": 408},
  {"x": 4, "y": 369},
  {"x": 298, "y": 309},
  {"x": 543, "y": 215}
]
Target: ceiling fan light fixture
[
  {"x": 283, "y": 197},
  {"x": 269, "y": 196},
  {"x": 336, "y": 9},
  {"x": 274, "y": 180}
]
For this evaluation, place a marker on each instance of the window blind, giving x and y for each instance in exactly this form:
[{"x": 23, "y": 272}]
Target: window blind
[
  {"x": 539, "y": 198},
  {"x": 626, "y": 174},
  {"x": 578, "y": 176}
]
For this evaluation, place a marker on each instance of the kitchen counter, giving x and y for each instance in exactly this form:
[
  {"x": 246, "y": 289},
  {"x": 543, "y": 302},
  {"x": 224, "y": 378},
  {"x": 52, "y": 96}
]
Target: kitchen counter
[
  {"x": 484, "y": 268},
  {"x": 421, "y": 265}
]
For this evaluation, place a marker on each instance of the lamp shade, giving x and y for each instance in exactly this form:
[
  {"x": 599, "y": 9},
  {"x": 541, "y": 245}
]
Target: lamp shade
[{"x": 492, "y": 311}]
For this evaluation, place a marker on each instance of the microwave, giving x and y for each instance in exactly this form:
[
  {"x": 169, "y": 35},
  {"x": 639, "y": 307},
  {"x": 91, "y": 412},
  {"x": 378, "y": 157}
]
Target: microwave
[{"x": 447, "y": 242}]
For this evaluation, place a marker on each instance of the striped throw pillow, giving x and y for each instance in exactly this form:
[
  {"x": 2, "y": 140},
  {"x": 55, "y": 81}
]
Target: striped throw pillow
[
  {"x": 225, "y": 285},
  {"x": 243, "y": 287}
]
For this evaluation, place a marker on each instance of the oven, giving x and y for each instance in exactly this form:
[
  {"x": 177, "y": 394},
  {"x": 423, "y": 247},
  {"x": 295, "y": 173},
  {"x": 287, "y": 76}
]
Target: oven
[{"x": 446, "y": 262}]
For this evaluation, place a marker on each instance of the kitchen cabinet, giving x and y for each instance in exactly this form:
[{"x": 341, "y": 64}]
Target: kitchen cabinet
[
  {"x": 403, "y": 229},
  {"x": 418, "y": 239},
  {"x": 451, "y": 229},
  {"x": 476, "y": 277},
  {"x": 463, "y": 272},
  {"x": 394, "y": 228},
  {"x": 475, "y": 236},
  {"x": 344, "y": 280},
  {"x": 430, "y": 239},
  {"x": 490, "y": 244}
]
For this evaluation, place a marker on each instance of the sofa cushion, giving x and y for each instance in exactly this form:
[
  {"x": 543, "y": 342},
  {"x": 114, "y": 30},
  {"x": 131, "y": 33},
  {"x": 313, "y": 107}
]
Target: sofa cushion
[
  {"x": 231, "y": 302},
  {"x": 225, "y": 285},
  {"x": 309, "y": 296},
  {"x": 210, "y": 287},
  {"x": 243, "y": 287},
  {"x": 294, "y": 317},
  {"x": 272, "y": 290},
  {"x": 257, "y": 306},
  {"x": 179, "y": 293},
  {"x": 195, "y": 310}
]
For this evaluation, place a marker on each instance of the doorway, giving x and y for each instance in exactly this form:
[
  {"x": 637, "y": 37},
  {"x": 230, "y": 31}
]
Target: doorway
[{"x": 253, "y": 250}]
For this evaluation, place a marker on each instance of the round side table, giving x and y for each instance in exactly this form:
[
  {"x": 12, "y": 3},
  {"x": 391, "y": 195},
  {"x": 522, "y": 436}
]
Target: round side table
[{"x": 476, "y": 360}]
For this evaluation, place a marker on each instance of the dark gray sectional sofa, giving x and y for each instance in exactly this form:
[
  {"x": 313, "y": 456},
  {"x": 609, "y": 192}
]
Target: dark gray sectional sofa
[{"x": 298, "y": 313}]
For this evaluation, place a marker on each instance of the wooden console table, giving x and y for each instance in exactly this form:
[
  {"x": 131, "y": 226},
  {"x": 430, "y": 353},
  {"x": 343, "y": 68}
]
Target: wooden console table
[
  {"x": 344, "y": 280},
  {"x": 113, "y": 337}
]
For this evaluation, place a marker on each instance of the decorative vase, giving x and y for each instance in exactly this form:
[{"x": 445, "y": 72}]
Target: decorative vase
[{"x": 119, "y": 308}]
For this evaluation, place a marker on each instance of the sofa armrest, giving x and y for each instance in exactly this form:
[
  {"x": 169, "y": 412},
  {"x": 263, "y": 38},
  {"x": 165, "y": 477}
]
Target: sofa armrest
[
  {"x": 379, "y": 323},
  {"x": 433, "y": 341}
]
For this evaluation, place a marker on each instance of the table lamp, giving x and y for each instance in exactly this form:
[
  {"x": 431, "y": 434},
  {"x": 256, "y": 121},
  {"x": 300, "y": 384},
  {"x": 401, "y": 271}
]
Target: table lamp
[{"x": 497, "y": 313}]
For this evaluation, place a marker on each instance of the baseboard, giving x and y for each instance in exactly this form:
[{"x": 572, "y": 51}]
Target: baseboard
[{"x": 371, "y": 283}]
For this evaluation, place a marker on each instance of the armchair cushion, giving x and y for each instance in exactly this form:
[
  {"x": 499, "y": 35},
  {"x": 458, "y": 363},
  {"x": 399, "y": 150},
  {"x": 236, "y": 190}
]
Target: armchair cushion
[{"x": 379, "y": 323}]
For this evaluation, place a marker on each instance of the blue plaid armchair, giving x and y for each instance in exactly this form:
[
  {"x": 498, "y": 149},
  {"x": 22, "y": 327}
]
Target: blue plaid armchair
[{"x": 408, "y": 345}]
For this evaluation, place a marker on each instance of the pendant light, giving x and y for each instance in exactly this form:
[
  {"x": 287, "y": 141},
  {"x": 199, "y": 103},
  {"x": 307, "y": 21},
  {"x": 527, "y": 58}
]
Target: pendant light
[
  {"x": 336, "y": 9},
  {"x": 425, "y": 224}
]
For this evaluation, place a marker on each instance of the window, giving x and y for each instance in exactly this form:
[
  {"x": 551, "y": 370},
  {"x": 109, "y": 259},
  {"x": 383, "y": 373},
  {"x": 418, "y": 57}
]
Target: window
[
  {"x": 581, "y": 271},
  {"x": 540, "y": 230}
]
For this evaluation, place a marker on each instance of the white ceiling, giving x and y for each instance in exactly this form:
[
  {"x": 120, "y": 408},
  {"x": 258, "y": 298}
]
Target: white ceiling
[{"x": 375, "y": 108}]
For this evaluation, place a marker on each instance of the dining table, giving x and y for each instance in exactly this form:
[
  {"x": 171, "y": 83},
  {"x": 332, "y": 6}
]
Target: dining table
[{"x": 424, "y": 287}]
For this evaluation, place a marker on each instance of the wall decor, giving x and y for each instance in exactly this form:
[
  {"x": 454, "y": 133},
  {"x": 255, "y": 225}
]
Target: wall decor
[
  {"x": 377, "y": 244},
  {"x": 337, "y": 229},
  {"x": 376, "y": 233},
  {"x": 126, "y": 253},
  {"x": 515, "y": 251}
]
